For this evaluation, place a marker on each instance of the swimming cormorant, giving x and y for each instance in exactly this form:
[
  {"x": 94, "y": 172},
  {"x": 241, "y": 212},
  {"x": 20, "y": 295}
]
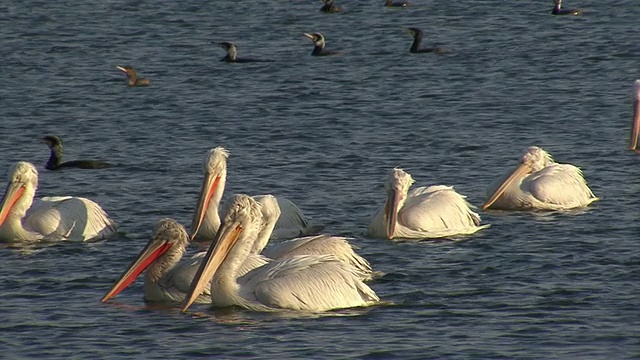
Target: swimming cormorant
[
  {"x": 55, "y": 159},
  {"x": 558, "y": 10},
  {"x": 391, "y": 3},
  {"x": 417, "y": 39},
  {"x": 132, "y": 76},
  {"x": 232, "y": 54},
  {"x": 330, "y": 7},
  {"x": 318, "y": 42}
]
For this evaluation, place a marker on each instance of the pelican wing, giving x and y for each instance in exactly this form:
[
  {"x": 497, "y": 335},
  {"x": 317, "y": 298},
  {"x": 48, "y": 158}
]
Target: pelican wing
[
  {"x": 292, "y": 223},
  {"x": 182, "y": 274},
  {"x": 559, "y": 186},
  {"x": 436, "y": 211},
  {"x": 319, "y": 245},
  {"x": 253, "y": 261},
  {"x": 68, "y": 218},
  {"x": 311, "y": 283}
]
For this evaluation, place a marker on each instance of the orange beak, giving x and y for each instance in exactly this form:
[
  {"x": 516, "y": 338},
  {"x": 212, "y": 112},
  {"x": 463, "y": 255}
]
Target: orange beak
[{"x": 147, "y": 256}]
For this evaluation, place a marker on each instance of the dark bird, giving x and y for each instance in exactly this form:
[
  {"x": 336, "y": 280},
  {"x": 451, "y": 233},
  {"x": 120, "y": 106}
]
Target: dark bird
[
  {"x": 330, "y": 7},
  {"x": 558, "y": 10},
  {"x": 417, "y": 39},
  {"x": 232, "y": 54},
  {"x": 318, "y": 45},
  {"x": 55, "y": 159},
  {"x": 132, "y": 76},
  {"x": 391, "y": 3}
]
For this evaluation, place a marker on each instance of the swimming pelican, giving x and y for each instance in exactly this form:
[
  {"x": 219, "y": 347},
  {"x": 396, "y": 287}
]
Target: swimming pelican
[
  {"x": 167, "y": 279},
  {"x": 424, "y": 213},
  {"x": 540, "y": 183},
  {"x": 206, "y": 219},
  {"x": 307, "y": 283},
  {"x": 50, "y": 218},
  {"x": 635, "y": 127},
  {"x": 323, "y": 244}
]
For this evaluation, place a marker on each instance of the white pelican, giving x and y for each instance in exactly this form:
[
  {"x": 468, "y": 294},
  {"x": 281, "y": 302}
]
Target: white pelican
[
  {"x": 206, "y": 220},
  {"x": 323, "y": 244},
  {"x": 50, "y": 218},
  {"x": 308, "y": 283},
  {"x": 635, "y": 127},
  {"x": 423, "y": 213},
  {"x": 540, "y": 183},
  {"x": 167, "y": 279}
]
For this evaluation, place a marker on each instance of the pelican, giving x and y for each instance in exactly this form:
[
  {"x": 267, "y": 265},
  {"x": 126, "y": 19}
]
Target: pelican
[
  {"x": 206, "y": 219},
  {"x": 322, "y": 244},
  {"x": 540, "y": 183},
  {"x": 306, "y": 283},
  {"x": 167, "y": 279},
  {"x": 635, "y": 127},
  {"x": 50, "y": 218},
  {"x": 423, "y": 213}
]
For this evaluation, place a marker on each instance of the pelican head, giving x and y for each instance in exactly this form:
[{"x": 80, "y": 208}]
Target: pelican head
[
  {"x": 242, "y": 221},
  {"x": 23, "y": 182},
  {"x": 167, "y": 234},
  {"x": 215, "y": 174},
  {"x": 317, "y": 38},
  {"x": 270, "y": 215},
  {"x": 270, "y": 208},
  {"x": 533, "y": 160},
  {"x": 635, "y": 127},
  {"x": 397, "y": 187}
]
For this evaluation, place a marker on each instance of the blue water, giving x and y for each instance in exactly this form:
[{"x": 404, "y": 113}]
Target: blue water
[{"x": 324, "y": 132}]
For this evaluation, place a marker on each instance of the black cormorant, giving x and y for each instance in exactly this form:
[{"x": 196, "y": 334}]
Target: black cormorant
[
  {"x": 558, "y": 10},
  {"x": 132, "y": 76},
  {"x": 417, "y": 39},
  {"x": 330, "y": 7},
  {"x": 318, "y": 45},
  {"x": 232, "y": 54},
  {"x": 391, "y": 3},
  {"x": 55, "y": 159}
]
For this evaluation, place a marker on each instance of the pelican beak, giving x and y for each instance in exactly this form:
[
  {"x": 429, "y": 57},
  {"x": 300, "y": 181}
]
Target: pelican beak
[
  {"x": 226, "y": 237},
  {"x": 391, "y": 212},
  {"x": 519, "y": 172},
  {"x": 147, "y": 256},
  {"x": 635, "y": 128},
  {"x": 11, "y": 196},
  {"x": 310, "y": 36},
  {"x": 122, "y": 69},
  {"x": 209, "y": 186}
]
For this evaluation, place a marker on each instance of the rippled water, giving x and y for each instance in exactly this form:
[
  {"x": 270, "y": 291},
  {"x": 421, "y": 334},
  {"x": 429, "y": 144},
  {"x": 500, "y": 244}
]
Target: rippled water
[{"x": 324, "y": 132}]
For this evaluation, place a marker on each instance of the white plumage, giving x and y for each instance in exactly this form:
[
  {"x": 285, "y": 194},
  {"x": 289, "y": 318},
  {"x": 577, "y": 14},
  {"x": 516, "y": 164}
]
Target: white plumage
[
  {"x": 540, "y": 183},
  {"x": 635, "y": 125},
  {"x": 422, "y": 213},
  {"x": 323, "y": 244},
  {"x": 309, "y": 283},
  {"x": 50, "y": 218},
  {"x": 206, "y": 219}
]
